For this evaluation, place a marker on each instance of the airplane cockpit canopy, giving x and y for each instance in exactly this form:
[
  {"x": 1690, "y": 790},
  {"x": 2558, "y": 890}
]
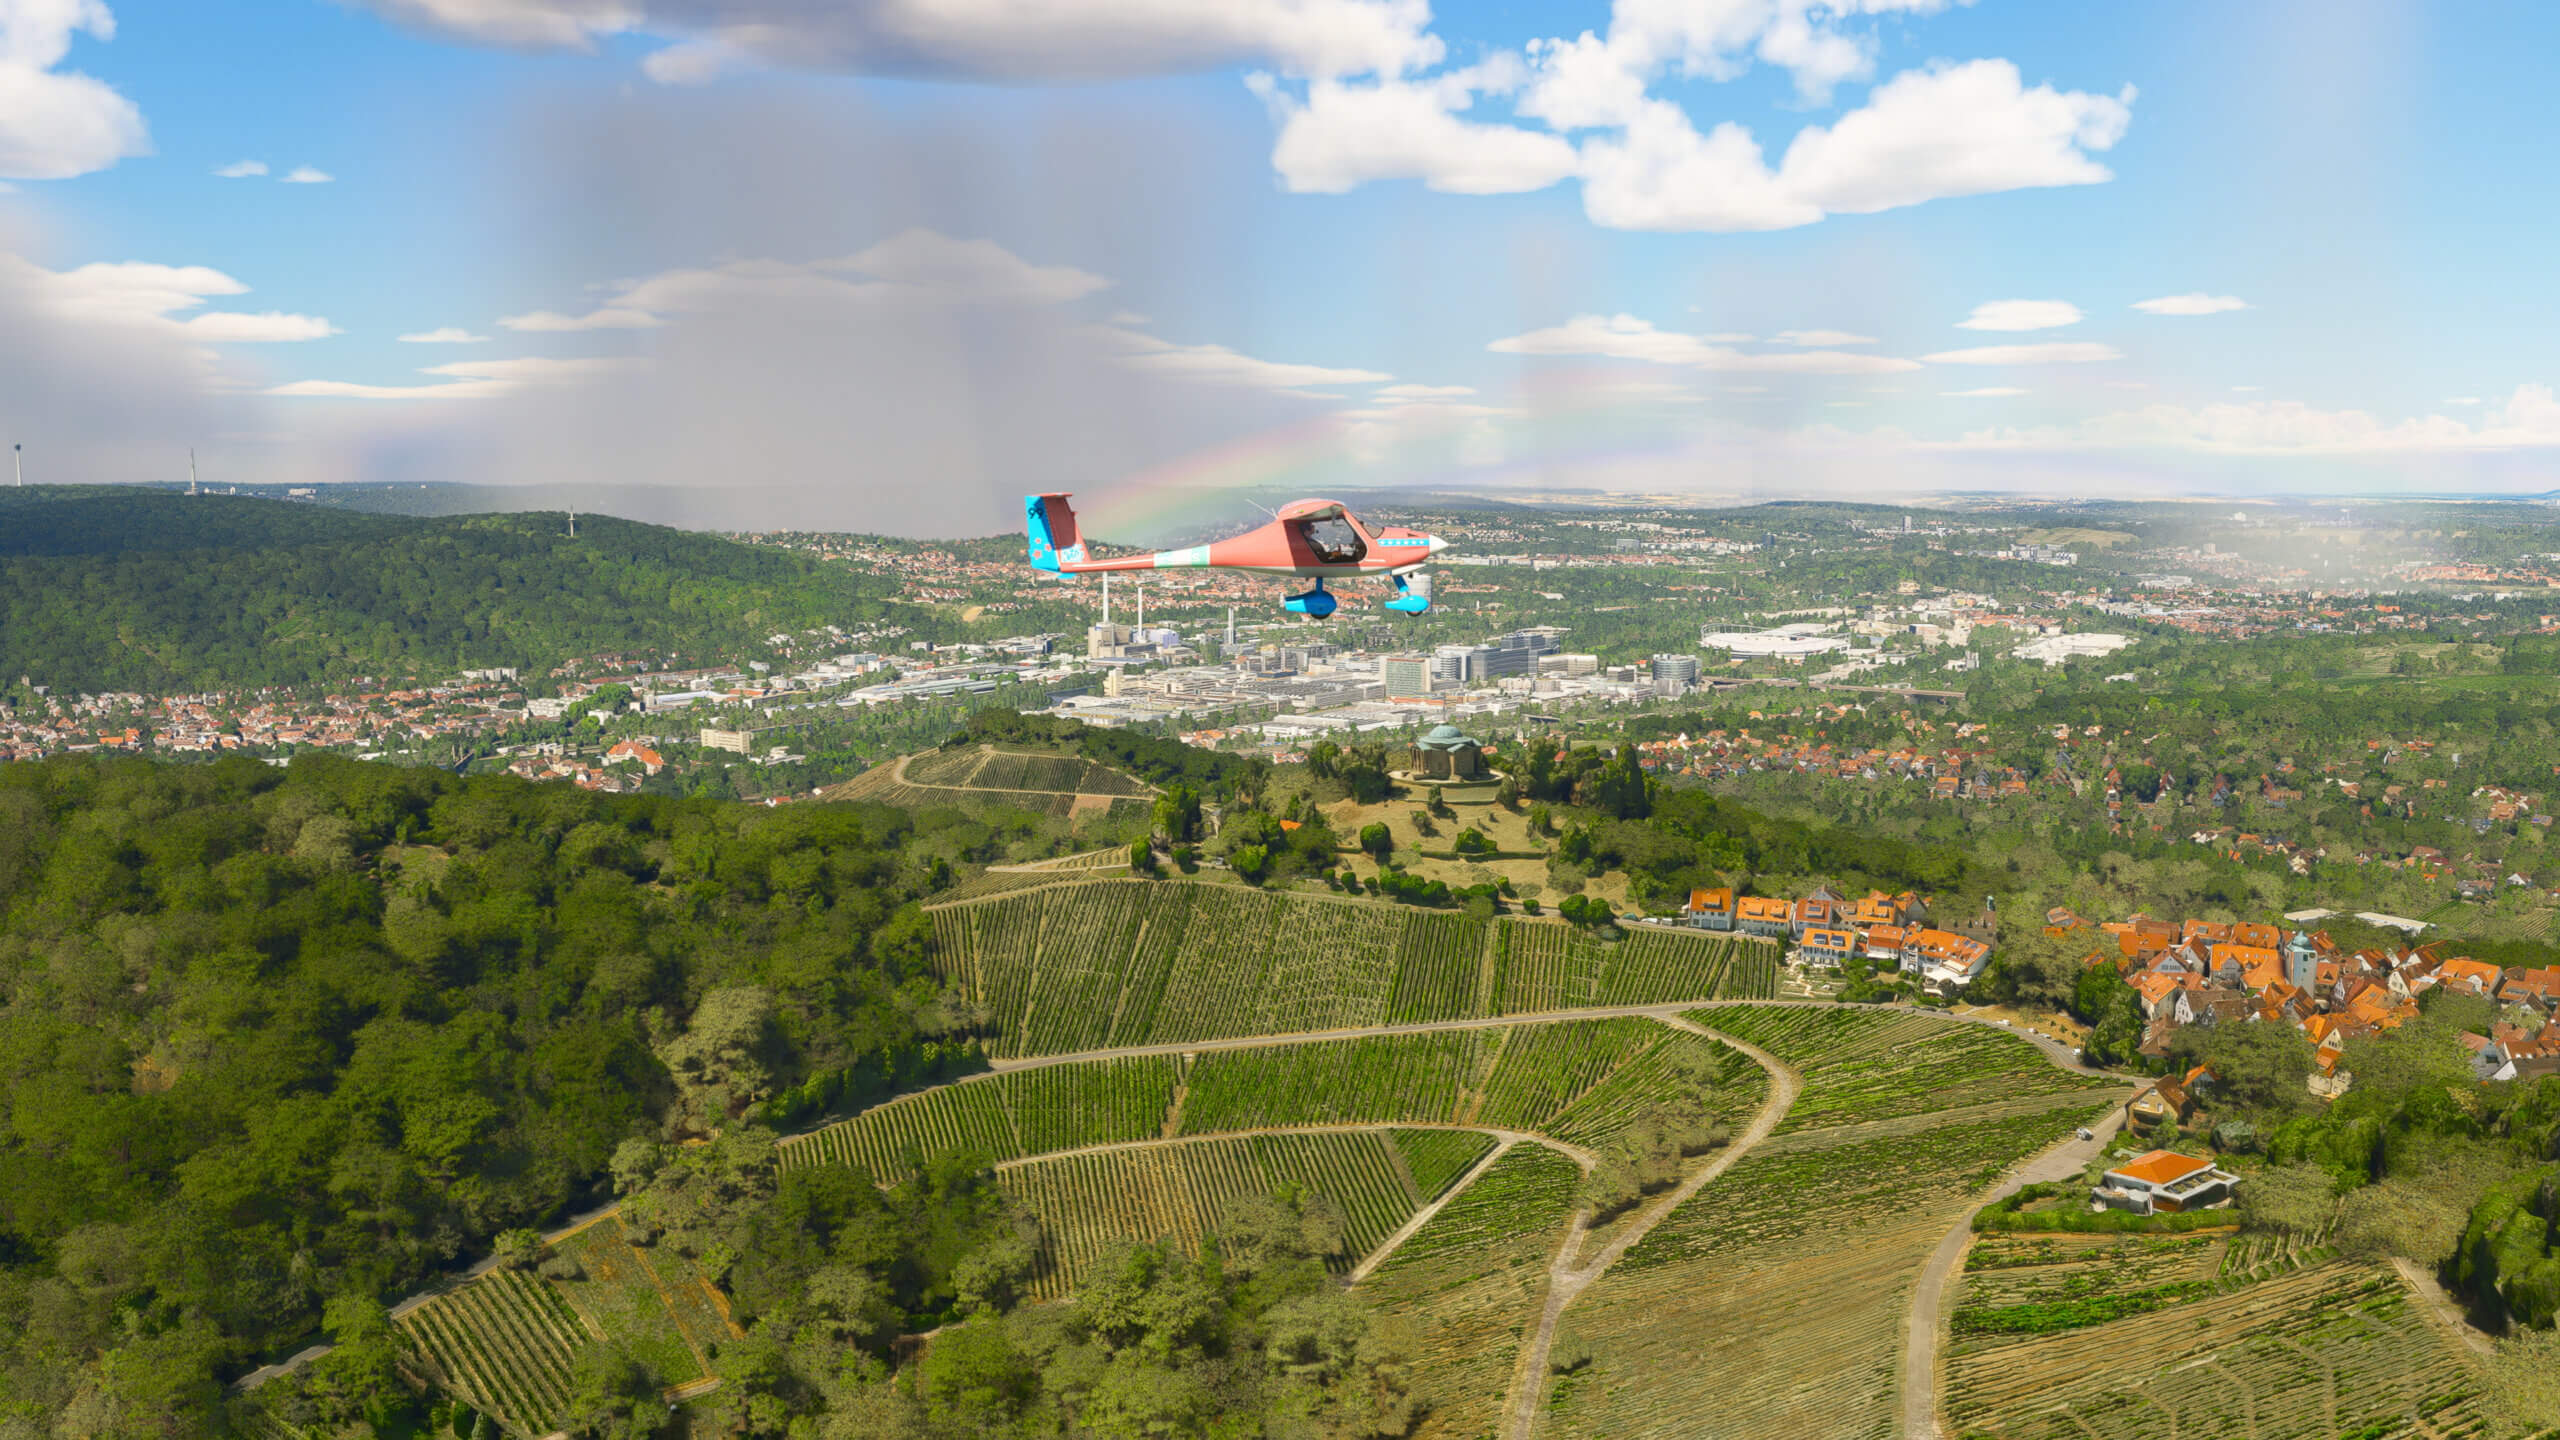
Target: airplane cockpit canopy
[{"x": 1335, "y": 540}]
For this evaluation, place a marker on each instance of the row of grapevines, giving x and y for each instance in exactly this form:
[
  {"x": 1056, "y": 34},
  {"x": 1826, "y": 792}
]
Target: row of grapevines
[
  {"x": 505, "y": 1342},
  {"x": 1001, "y": 1117},
  {"x": 1389, "y": 1077},
  {"x": 1088, "y": 1203},
  {"x": 1544, "y": 1068},
  {"x": 1436, "y": 1158},
  {"x": 1439, "y": 968},
  {"x": 1735, "y": 1087}
]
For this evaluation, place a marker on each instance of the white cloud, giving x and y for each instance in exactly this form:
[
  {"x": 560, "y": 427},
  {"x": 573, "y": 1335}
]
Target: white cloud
[
  {"x": 913, "y": 267},
  {"x": 267, "y": 328},
  {"x": 988, "y": 39},
  {"x": 1218, "y": 365},
  {"x": 1625, "y": 337},
  {"x": 1729, "y": 337},
  {"x": 463, "y": 380},
  {"x": 933, "y": 265},
  {"x": 54, "y": 125},
  {"x": 2193, "y": 303},
  {"x": 242, "y": 169},
  {"x": 1945, "y": 131},
  {"x": 1969, "y": 129},
  {"x": 2463, "y": 400},
  {"x": 2246, "y": 389},
  {"x": 150, "y": 296},
  {"x": 1817, "y": 339},
  {"x": 2068, "y": 352},
  {"x": 2529, "y": 419},
  {"x": 1410, "y": 393},
  {"x": 1987, "y": 392},
  {"x": 605, "y": 318},
  {"x": 2021, "y": 315},
  {"x": 305, "y": 175},
  {"x": 1343, "y": 135},
  {"x": 444, "y": 335}
]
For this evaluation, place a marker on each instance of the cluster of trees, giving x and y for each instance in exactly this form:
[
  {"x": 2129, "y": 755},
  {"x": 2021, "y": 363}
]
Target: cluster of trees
[
  {"x": 123, "y": 589},
  {"x": 281, "y": 1043},
  {"x": 1651, "y": 1154},
  {"x": 1247, "y": 1335}
]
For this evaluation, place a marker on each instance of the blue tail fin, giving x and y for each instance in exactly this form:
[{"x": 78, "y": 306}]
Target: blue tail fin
[{"x": 1051, "y": 525}]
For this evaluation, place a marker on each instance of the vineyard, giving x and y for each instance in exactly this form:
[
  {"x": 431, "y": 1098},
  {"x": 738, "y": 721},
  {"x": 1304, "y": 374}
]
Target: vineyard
[
  {"x": 2321, "y": 1350},
  {"x": 1583, "y": 1081},
  {"x": 1863, "y": 1066},
  {"x": 1469, "y": 1279},
  {"x": 1794, "y": 1267},
  {"x": 1102, "y": 964},
  {"x": 1001, "y": 1117},
  {"x": 1087, "y": 1203},
  {"x": 1435, "y": 1159},
  {"x": 508, "y": 1342}
]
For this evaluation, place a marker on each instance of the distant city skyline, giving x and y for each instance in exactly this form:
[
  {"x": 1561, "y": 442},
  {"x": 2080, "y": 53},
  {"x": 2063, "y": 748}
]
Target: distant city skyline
[{"x": 908, "y": 259}]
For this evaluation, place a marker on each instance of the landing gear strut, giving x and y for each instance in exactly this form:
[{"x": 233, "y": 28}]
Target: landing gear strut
[
  {"x": 1315, "y": 604},
  {"x": 1408, "y": 600}
]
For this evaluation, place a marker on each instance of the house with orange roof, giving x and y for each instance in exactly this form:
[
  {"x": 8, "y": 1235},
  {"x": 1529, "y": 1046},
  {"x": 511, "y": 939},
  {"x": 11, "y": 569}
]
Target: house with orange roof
[
  {"x": 2164, "y": 1182},
  {"x": 1827, "y": 945},
  {"x": 1710, "y": 909},
  {"x": 1944, "y": 960},
  {"x": 650, "y": 760},
  {"x": 2259, "y": 968},
  {"x": 2470, "y": 977},
  {"x": 1761, "y": 915},
  {"x": 2265, "y": 937},
  {"x": 2210, "y": 930},
  {"x": 2523, "y": 986}
]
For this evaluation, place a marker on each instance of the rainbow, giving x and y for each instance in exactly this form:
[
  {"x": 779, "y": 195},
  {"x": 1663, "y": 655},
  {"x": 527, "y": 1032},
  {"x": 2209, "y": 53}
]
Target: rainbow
[{"x": 1566, "y": 420}]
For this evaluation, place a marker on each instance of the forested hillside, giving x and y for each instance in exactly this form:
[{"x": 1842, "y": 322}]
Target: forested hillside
[
  {"x": 112, "y": 589},
  {"x": 280, "y": 1042}
]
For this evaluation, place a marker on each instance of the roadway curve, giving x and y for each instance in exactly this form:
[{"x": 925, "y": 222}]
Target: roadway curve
[
  {"x": 1925, "y": 1328},
  {"x": 1566, "y": 1280}
]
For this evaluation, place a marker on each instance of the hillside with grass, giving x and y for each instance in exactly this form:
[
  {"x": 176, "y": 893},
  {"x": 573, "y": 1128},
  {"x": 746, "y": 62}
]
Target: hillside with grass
[{"x": 115, "y": 589}]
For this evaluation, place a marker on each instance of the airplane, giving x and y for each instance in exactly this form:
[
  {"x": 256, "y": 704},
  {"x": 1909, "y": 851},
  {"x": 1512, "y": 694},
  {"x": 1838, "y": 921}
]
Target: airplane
[{"x": 1315, "y": 540}]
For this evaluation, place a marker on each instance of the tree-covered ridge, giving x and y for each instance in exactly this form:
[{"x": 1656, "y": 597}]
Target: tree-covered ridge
[
  {"x": 152, "y": 591},
  {"x": 280, "y": 1040}
]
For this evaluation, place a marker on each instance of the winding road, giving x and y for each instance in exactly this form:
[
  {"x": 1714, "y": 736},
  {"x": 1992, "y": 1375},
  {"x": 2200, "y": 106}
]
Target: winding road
[
  {"x": 1569, "y": 1272},
  {"x": 1566, "y": 1280}
]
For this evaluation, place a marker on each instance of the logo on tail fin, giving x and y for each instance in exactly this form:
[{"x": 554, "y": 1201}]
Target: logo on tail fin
[{"x": 1051, "y": 527}]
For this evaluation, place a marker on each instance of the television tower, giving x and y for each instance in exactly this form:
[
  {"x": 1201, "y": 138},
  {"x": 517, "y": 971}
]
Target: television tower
[{"x": 191, "y": 470}]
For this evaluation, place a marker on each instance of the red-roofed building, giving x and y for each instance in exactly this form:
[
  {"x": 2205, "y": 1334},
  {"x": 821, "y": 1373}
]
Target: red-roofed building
[{"x": 2164, "y": 1182}]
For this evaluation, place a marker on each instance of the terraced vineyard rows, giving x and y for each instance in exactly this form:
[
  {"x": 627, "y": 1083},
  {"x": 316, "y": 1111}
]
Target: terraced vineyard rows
[
  {"x": 1087, "y": 1203},
  {"x": 2335, "y": 1349},
  {"x": 1881, "y": 1064},
  {"x": 1469, "y": 1279},
  {"x": 1437, "y": 1158},
  {"x": 1583, "y": 1080},
  {"x": 1396, "y": 1077},
  {"x": 1646, "y": 1078},
  {"x": 1001, "y": 1117},
  {"x": 506, "y": 1342},
  {"x": 1794, "y": 1267},
  {"x": 1545, "y": 1068},
  {"x": 1097, "y": 964},
  {"x": 1439, "y": 970}
]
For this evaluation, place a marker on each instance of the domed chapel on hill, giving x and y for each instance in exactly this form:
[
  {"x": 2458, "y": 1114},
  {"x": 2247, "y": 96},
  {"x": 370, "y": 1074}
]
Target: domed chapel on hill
[{"x": 1448, "y": 753}]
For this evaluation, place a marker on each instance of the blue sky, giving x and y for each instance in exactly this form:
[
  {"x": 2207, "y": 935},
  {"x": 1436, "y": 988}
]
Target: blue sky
[{"x": 921, "y": 255}]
